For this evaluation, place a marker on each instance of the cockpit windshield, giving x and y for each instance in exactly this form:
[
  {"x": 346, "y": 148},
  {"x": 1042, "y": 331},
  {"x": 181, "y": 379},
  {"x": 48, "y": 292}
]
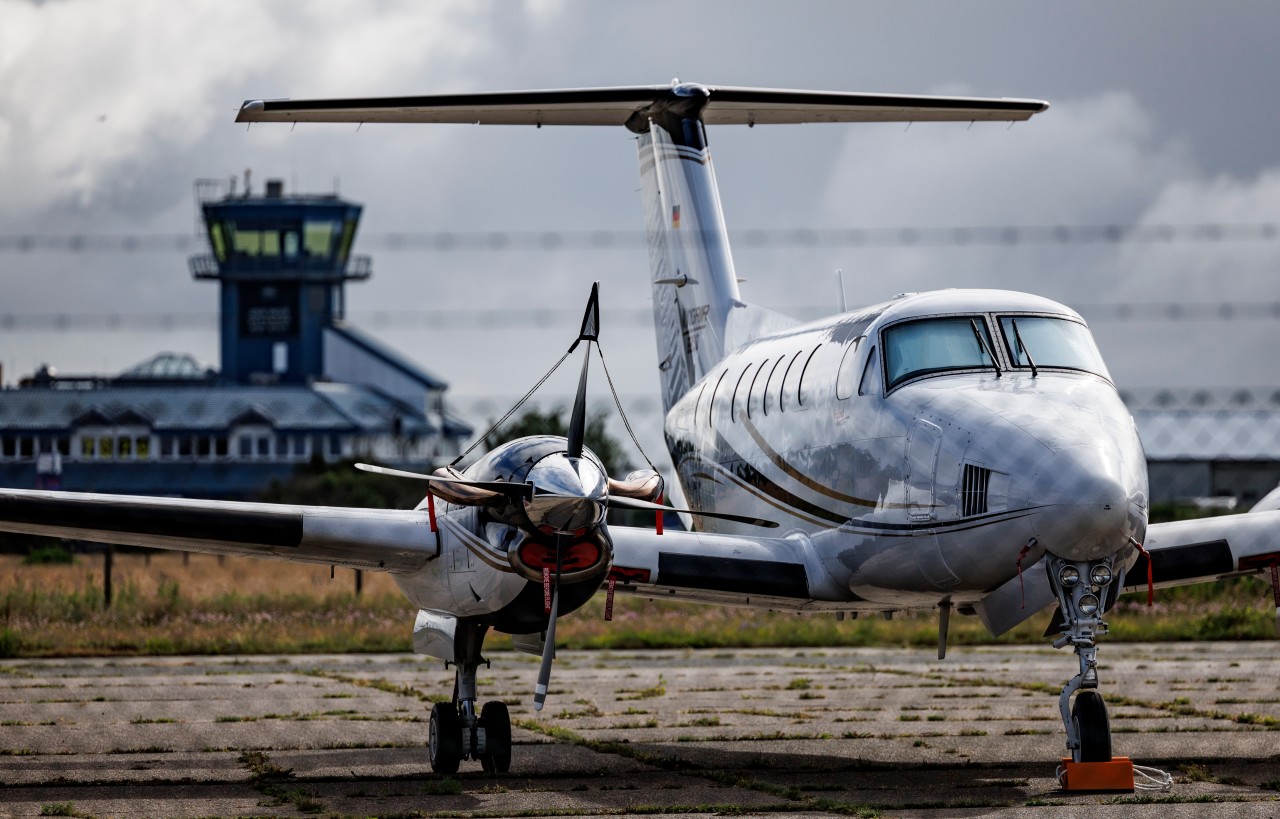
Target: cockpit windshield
[
  {"x": 1040, "y": 341},
  {"x": 936, "y": 345}
]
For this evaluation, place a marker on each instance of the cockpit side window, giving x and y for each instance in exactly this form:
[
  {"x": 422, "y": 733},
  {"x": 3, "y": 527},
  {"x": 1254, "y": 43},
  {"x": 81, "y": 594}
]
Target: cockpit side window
[
  {"x": 936, "y": 345},
  {"x": 1043, "y": 341},
  {"x": 870, "y": 375}
]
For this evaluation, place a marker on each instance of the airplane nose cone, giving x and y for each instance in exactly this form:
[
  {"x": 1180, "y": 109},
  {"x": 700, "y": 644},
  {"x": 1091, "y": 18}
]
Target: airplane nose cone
[{"x": 1090, "y": 508}]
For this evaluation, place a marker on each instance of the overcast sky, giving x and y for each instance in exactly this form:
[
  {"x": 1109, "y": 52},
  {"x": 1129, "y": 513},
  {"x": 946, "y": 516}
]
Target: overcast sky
[{"x": 1163, "y": 113}]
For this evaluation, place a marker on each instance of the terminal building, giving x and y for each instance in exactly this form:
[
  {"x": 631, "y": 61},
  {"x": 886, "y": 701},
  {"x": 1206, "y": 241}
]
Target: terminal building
[{"x": 296, "y": 382}]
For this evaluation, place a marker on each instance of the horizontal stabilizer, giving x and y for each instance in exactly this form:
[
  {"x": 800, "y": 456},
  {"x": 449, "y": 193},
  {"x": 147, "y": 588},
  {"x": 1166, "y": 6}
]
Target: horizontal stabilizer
[{"x": 615, "y": 106}]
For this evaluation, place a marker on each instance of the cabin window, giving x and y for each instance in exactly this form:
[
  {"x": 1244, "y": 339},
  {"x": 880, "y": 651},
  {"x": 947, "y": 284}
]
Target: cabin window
[
  {"x": 739, "y": 396},
  {"x": 756, "y": 393},
  {"x": 1051, "y": 342},
  {"x": 800, "y": 390},
  {"x": 936, "y": 345},
  {"x": 870, "y": 375},
  {"x": 791, "y": 383},
  {"x": 768, "y": 386},
  {"x": 711, "y": 410},
  {"x": 848, "y": 372},
  {"x": 697, "y": 405}
]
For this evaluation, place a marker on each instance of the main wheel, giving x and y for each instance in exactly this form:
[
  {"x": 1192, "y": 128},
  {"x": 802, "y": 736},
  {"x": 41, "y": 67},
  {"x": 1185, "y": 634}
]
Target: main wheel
[
  {"x": 445, "y": 738},
  {"x": 496, "y": 722},
  {"x": 1089, "y": 716}
]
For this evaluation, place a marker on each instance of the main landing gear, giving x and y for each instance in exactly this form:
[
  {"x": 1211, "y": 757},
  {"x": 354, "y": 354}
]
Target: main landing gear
[
  {"x": 1085, "y": 590},
  {"x": 457, "y": 732}
]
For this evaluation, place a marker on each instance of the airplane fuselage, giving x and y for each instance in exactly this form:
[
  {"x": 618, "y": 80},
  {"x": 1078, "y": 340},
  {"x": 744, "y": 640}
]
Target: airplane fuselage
[{"x": 919, "y": 466}]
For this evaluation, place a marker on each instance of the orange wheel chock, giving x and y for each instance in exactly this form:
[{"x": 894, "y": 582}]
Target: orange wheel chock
[{"x": 1116, "y": 775}]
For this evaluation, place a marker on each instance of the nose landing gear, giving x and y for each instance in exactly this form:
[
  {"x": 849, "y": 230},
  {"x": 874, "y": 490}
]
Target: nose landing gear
[
  {"x": 1084, "y": 590},
  {"x": 456, "y": 731}
]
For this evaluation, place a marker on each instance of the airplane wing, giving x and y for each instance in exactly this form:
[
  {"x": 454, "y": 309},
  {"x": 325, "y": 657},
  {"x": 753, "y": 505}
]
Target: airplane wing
[
  {"x": 615, "y": 106},
  {"x": 734, "y": 570},
  {"x": 1207, "y": 549},
  {"x": 370, "y": 539}
]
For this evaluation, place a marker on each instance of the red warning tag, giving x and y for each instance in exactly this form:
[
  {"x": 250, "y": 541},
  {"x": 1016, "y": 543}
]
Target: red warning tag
[
  {"x": 546, "y": 590},
  {"x": 608, "y": 599}
]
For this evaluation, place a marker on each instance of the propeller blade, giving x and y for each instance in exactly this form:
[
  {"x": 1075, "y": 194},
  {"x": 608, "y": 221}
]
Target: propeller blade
[
  {"x": 548, "y": 653},
  {"x": 634, "y": 503},
  {"x": 519, "y": 490},
  {"x": 578, "y": 420},
  {"x": 590, "y": 332}
]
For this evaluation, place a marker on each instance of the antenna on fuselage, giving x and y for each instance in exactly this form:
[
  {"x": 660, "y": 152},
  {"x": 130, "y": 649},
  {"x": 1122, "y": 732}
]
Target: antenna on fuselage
[{"x": 844, "y": 305}]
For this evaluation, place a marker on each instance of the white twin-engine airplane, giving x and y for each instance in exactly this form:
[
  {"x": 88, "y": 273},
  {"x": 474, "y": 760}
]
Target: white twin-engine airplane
[{"x": 963, "y": 449}]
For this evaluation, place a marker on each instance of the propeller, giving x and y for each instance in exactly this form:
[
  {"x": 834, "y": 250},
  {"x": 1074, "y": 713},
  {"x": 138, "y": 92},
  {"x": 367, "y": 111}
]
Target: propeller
[
  {"x": 563, "y": 493},
  {"x": 589, "y": 332}
]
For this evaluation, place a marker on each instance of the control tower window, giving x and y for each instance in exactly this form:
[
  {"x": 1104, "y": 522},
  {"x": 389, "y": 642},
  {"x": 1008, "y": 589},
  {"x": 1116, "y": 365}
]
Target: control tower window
[
  {"x": 936, "y": 345},
  {"x": 317, "y": 237},
  {"x": 254, "y": 242},
  {"x": 218, "y": 240}
]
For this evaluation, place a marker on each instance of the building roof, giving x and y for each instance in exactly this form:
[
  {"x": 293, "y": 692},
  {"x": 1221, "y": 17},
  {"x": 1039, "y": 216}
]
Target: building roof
[
  {"x": 317, "y": 408},
  {"x": 386, "y": 356}
]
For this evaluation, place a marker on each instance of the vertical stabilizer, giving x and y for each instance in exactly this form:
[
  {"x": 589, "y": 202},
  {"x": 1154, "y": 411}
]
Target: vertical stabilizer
[{"x": 695, "y": 288}]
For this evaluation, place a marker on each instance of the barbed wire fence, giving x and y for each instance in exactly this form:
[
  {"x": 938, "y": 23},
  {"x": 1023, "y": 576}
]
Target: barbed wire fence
[{"x": 446, "y": 241}]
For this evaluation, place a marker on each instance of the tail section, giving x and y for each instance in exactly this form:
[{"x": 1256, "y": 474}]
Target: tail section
[{"x": 698, "y": 313}]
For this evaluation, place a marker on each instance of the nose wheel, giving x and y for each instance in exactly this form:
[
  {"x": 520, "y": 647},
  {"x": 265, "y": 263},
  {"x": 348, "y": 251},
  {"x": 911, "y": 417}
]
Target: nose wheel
[{"x": 1084, "y": 590}]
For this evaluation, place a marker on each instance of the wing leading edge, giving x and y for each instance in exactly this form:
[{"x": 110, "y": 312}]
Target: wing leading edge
[
  {"x": 371, "y": 539},
  {"x": 615, "y": 106}
]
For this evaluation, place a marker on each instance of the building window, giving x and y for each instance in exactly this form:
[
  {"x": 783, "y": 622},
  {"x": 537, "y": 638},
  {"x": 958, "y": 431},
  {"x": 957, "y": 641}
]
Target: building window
[
  {"x": 245, "y": 448},
  {"x": 86, "y": 448},
  {"x": 143, "y": 447},
  {"x": 124, "y": 447},
  {"x": 9, "y": 447},
  {"x": 262, "y": 445},
  {"x": 63, "y": 444},
  {"x": 184, "y": 446},
  {"x": 221, "y": 446},
  {"x": 106, "y": 447},
  {"x": 204, "y": 446}
]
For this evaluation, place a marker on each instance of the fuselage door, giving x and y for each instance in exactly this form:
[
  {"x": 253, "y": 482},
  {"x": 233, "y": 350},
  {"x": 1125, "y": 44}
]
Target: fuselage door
[{"x": 922, "y": 463}]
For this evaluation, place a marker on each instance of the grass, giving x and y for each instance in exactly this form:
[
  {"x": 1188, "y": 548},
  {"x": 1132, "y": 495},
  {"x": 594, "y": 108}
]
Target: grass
[{"x": 242, "y": 605}]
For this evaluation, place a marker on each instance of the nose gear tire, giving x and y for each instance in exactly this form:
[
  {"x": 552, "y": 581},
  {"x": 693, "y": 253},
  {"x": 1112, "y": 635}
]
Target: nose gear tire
[{"x": 1089, "y": 715}]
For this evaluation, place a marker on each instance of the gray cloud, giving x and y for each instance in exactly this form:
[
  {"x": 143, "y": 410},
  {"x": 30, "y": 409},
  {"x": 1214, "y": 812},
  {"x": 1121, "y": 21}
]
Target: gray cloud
[{"x": 109, "y": 109}]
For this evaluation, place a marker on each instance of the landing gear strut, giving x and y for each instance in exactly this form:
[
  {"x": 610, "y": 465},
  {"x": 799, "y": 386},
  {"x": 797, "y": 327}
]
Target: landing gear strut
[
  {"x": 457, "y": 731},
  {"x": 1085, "y": 590}
]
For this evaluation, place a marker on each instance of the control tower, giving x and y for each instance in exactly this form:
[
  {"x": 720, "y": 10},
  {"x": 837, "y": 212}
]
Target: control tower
[{"x": 282, "y": 262}]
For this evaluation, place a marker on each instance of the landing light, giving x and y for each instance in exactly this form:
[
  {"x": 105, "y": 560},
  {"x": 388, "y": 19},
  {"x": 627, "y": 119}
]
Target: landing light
[
  {"x": 1100, "y": 575},
  {"x": 1068, "y": 576},
  {"x": 1088, "y": 604}
]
